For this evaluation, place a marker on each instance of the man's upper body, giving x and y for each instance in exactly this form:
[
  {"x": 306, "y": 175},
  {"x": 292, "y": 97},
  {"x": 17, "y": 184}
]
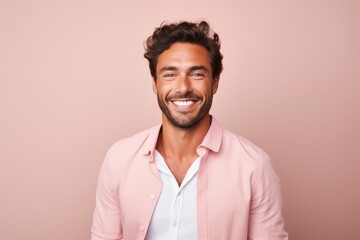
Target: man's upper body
[
  {"x": 238, "y": 194},
  {"x": 232, "y": 191}
]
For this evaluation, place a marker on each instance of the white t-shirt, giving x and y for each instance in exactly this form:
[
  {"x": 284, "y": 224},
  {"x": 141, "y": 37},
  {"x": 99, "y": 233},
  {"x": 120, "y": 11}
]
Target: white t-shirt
[{"x": 175, "y": 214}]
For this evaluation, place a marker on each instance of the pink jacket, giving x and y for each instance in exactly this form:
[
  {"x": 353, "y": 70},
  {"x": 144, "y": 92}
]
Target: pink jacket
[{"x": 238, "y": 194}]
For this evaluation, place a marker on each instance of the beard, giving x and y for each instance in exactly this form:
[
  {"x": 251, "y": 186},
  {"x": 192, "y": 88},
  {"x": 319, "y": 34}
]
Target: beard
[{"x": 184, "y": 121}]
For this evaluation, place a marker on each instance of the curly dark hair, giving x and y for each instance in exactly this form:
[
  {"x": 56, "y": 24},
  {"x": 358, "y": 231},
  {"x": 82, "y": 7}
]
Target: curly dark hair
[{"x": 187, "y": 32}]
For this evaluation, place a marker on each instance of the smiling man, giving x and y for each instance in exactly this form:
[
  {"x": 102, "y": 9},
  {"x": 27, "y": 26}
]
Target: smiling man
[{"x": 187, "y": 178}]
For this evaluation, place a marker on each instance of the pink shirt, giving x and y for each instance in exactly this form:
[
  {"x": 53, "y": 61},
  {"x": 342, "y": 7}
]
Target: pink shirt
[{"x": 238, "y": 193}]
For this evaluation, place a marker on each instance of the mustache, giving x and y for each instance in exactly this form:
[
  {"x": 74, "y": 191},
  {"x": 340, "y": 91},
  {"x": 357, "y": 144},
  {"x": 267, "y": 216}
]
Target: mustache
[{"x": 188, "y": 95}]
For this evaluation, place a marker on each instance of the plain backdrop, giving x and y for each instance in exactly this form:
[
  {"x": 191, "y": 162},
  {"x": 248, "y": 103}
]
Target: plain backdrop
[{"x": 73, "y": 81}]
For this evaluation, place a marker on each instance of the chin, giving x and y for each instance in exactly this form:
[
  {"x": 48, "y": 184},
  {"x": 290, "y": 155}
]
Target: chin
[{"x": 187, "y": 123}]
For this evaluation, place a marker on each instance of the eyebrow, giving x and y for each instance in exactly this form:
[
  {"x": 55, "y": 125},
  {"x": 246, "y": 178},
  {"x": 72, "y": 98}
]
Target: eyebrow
[
  {"x": 193, "y": 68},
  {"x": 168, "y": 68},
  {"x": 200, "y": 67}
]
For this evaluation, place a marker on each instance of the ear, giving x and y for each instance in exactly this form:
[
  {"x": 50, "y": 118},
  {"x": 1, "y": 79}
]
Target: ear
[
  {"x": 215, "y": 85},
  {"x": 154, "y": 86}
]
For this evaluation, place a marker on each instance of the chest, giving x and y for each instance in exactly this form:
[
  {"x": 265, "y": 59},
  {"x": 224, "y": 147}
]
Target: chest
[{"x": 222, "y": 197}]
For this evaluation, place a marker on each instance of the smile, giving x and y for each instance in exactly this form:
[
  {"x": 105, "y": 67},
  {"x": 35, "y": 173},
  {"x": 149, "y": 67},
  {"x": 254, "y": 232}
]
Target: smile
[{"x": 183, "y": 103}]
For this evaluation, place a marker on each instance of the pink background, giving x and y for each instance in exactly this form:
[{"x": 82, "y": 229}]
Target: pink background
[{"x": 73, "y": 81}]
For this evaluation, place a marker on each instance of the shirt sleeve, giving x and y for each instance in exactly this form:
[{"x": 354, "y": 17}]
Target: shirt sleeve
[
  {"x": 106, "y": 220},
  {"x": 265, "y": 220}
]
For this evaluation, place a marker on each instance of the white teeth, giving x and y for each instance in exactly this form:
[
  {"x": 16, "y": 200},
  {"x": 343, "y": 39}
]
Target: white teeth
[{"x": 183, "y": 103}]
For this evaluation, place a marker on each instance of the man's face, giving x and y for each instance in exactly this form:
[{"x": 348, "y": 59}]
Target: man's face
[{"x": 184, "y": 84}]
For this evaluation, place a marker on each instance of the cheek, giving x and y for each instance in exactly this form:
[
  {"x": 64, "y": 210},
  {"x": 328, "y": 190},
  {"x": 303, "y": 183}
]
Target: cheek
[
  {"x": 161, "y": 93},
  {"x": 164, "y": 89},
  {"x": 161, "y": 89},
  {"x": 208, "y": 90}
]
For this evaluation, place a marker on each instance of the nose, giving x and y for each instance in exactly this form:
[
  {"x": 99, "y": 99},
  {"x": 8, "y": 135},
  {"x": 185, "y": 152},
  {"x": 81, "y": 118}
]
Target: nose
[{"x": 184, "y": 84}]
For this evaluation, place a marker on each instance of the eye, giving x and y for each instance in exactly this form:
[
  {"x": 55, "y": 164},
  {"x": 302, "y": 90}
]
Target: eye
[
  {"x": 169, "y": 75},
  {"x": 197, "y": 75}
]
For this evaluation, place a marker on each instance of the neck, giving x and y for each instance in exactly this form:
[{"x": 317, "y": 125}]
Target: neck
[{"x": 181, "y": 143}]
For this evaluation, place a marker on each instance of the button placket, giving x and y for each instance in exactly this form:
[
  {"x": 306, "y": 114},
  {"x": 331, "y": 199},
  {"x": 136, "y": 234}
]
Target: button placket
[
  {"x": 176, "y": 214},
  {"x": 176, "y": 198}
]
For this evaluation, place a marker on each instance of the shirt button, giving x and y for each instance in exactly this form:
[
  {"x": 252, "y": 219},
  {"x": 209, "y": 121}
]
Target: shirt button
[
  {"x": 174, "y": 224},
  {"x": 141, "y": 228},
  {"x": 179, "y": 193},
  {"x": 152, "y": 197}
]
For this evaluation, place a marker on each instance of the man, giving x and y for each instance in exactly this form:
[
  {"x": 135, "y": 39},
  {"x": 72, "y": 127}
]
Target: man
[{"x": 187, "y": 178}]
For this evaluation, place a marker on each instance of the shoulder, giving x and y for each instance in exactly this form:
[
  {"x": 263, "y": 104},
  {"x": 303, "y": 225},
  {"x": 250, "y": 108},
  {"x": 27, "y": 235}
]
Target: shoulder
[
  {"x": 129, "y": 143},
  {"x": 250, "y": 156},
  {"x": 129, "y": 147},
  {"x": 238, "y": 143},
  {"x": 246, "y": 152},
  {"x": 230, "y": 143},
  {"x": 128, "y": 154}
]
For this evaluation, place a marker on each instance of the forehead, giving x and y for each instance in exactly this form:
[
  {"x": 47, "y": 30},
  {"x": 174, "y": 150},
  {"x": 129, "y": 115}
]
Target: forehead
[{"x": 184, "y": 55}]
